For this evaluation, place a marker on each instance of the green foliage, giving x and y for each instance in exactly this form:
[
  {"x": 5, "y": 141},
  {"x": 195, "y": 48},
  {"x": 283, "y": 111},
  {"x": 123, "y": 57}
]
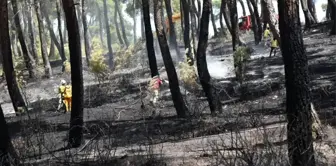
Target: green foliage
[
  {"x": 124, "y": 57},
  {"x": 188, "y": 75},
  {"x": 240, "y": 56},
  {"x": 98, "y": 65}
]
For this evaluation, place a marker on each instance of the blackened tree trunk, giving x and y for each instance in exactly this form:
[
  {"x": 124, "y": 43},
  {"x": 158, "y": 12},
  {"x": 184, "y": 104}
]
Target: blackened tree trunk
[
  {"x": 101, "y": 29},
  {"x": 4, "y": 138},
  {"x": 51, "y": 49},
  {"x": 172, "y": 33},
  {"x": 309, "y": 19},
  {"x": 47, "y": 67},
  {"x": 181, "y": 108},
  {"x": 243, "y": 7},
  {"x": 312, "y": 9},
  {"x": 7, "y": 60},
  {"x": 121, "y": 41},
  {"x": 31, "y": 32},
  {"x": 257, "y": 17},
  {"x": 59, "y": 26},
  {"x": 79, "y": 17},
  {"x": 298, "y": 98},
  {"x": 225, "y": 13},
  {"x": 29, "y": 60},
  {"x": 234, "y": 22},
  {"x": 108, "y": 35},
  {"x": 205, "y": 79},
  {"x": 254, "y": 23},
  {"x": 332, "y": 4},
  {"x": 186, "y": 37},
  {"x": 149, "y": 38},
  {"x": 86, "y": 35},
  {"x": 53, "y": 36},
  {"x": 270, "y": 17},
  {"x": 221, "y": 22},
  {"x": 213, "y": 22},
  {"x": 76, "y": 120},
  {"x": 121, "y": 18}
]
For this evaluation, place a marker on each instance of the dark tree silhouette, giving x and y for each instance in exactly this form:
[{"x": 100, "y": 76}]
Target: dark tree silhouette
[
  {"x": 29, "y": 60},
  {"x": 204, "y": 76},
  {"x": 76, "y": 120},
  {"x": 121, "y": 18},
  {"x": 31, "y": 31},
  {"x": 47, "y": 67},
  {"x": 121, "y": 41},
  {"x": 332, "y": 5},
  {"x": 186, "y": 38},
  {"x": 149, "y": 38},
  {"x": 7, "y": 60},
  {"x": 257, "y": 18},
  {"x": 86, "y": 34},
  {"x": 179, "y": 104},
  {"x": 254, "y": 23},
  {"x": 108, "y": 35},
  {"x": 101, "y": 29},
  {"x": 234, "y": 22},
  {"x": 298, "y": 98},
  {"x": 59, "y": 26}
]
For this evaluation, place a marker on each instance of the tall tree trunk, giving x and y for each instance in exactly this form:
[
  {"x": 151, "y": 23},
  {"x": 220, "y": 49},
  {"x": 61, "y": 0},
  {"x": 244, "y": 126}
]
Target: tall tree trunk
[
  {"x": 226, "y": 15},
  {"x": 76, "y": 119},
  {"x": 47, "y": 67},
  {"x": 181, "y": 108},
  {"x": 298, "y": 98},
  {"x": 172, "y": 33},
  {"x": 213, "y": 22},
  {"x": 65, "y": 32},
  {"x": 254, "y": 23},
  {"x": 29, "y": 60},
  {"x": 257, "y": 17},
  {"x": 186, "y": 34},
  {"x": 121, "y": 41},
  {"x": 270, "y": 16},
  {"x": 332, "y": 4},
  {"x": 53, "y": 36},
  {"x": 309, "y": 19},
  {"x": 100, "y": 26},
  {"x": 59, "y": 25},
  {"x": 243, "y": 7},
  {"x": 79, "y": 17},
  {"x": 134, "y": 22},
  {"x": 182, "y": 18},
  {"x": 205, "y": 79},
  {"x": 4, "y": 139},
  {"x": 221, "y": 22},
  {"x": 312, "y": 9},
  {"x": 142, "y": 26},
  {"x": 108, "y": 35},
  {"x": 86, "y": 35},
  {"x": 234, "y": 22},
  {"x": 6, "y": 54},
  {"x": 123, "y": 30},
  {"x": 52, "y": 49},
  {"x": 149, "y": 38},
  {"x": 31, "y": 31}
]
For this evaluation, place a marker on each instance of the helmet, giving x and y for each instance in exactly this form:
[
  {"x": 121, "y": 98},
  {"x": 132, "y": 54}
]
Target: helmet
[{"x": 63, "y": 82}]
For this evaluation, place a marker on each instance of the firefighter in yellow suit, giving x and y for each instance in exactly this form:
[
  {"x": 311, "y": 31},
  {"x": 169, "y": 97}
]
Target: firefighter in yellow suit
[
  {"x": 65, "y": 96},
  {"x": 274, "y": 46}
]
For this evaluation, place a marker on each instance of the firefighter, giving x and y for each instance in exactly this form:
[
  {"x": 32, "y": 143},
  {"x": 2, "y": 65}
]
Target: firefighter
[
  {"x": 154, "y": 88},
  {"x": 65, "y": 96},
  {"x": 274, "y": 46},
  {"x": 267, "y": 35}
]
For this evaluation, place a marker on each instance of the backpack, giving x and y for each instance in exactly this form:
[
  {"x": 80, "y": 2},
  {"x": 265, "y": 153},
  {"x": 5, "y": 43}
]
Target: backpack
[{"x": 68, "y": 92}]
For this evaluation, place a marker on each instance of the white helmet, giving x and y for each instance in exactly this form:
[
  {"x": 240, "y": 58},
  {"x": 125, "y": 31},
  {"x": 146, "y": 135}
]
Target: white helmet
[{"x": 63, "y": 82}]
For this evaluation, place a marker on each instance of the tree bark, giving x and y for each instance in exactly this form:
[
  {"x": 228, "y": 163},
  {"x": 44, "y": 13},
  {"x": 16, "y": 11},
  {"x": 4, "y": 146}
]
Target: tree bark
[
  {"x": 309, "y": 19},
  {"x": 221, "y": 22},
  {"x": 226, "y": 15},
  {"x": 45, "y": 58},
  {"x": 172, "y": 33},
  {"x": 149, "y": 38},
  {"x": 202, "y": 68},
  {"x": 86, "y": 34},
  {"x": 108, "y": 34},
  {"x": 76, "y": 119},
  {"x": 142, "y": 26},
  {"x": 121, "y": 41},
  {"x": 312, "y": 9},
  {"x": 186, "y": 37},
  {"x": 123, "y": 30},
  {"x": 59, "y": 25},
  {"x": 29, "y": 60},
  {"x": 234, "y": 22},
  {"x": 7, "y": 60},
  {"x": 270, "y": 17},
  {"x": 51, "y": 49},
  {"x": 332, "y": 4},
  {"x": 243, "y": 7},
  {"x": 31, "y": 31},
  {"x": 181, "y": 108},
  {"x": 254, "y": 24},
  {"x": 298, "y": 98},
  {"x": 257, "y": 17}
]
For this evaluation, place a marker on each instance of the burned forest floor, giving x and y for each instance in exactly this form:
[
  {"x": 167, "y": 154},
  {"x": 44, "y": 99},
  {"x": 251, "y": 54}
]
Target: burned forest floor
[{"x": 118, "y": 131}]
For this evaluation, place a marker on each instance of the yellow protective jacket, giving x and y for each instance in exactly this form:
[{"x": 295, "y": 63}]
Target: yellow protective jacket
[
  {"x": 61, "y": 90},
  {"x": 267, "y": 33},
  {"x": 65, "y": 91},
  {"x": 274, "y": 43}
]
